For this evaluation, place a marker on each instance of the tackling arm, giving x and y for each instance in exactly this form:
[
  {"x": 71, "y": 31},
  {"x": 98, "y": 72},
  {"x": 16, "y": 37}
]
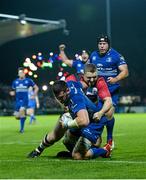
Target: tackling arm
[{"x": 105, "y": 96}]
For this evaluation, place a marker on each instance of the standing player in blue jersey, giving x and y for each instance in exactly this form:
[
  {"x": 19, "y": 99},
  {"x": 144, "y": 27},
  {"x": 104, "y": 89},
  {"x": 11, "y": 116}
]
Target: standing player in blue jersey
[
  {"x": 82, "y": 122},
  {"x": 77, "y": 64},
  {"x": 33, "y": 103},
  {"x": 112, "y": 66},
  {"x": 20, "y": 90}
]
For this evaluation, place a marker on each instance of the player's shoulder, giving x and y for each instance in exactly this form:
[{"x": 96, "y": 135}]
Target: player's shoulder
[
  {"x": 28, "y": 79},
  {"x": 15, "y": 81},
  {"x": 113, "y": 52},
  {"x": 100, "y": 81},
  {"x": 94, "y": 53},
  {"x": 73, "y": 83}
]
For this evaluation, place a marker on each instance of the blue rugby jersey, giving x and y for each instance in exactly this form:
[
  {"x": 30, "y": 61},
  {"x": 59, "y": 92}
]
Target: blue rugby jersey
[
  {"x": 79, "y": 66},
  {"x": 107, "y": 65},
  {"x": 21, "y": 88},
  {"x": 78, "y": 101}
]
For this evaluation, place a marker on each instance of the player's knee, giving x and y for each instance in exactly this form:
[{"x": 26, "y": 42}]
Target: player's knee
[
  {"x": 88, "y": 155},
  {"x": 22, "y": 112},
  {"x": 76, "y": 156},
  {"x": 50, "y": 138}
]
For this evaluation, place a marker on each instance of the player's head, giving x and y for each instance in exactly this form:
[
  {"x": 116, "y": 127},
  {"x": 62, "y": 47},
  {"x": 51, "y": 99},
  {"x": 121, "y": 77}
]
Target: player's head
[
  {"x": 85, "y": 56},
  {"x": 61, "y": 91},
  {"x": 90, "y": 74},
  {"x": 21, "y": 73},
  {"x": 103, "y": 43}
]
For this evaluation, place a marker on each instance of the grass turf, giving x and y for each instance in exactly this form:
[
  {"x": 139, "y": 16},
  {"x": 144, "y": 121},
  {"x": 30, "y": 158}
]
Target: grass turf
[{"x": 128, "y": 159}]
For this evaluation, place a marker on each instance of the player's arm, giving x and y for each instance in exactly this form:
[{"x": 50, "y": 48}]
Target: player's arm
[
  {"x": 37, "y": 102},
  {"x": 12, "y": 93},
  {"x": 105, "y": 108},
  {"x": 84, "y": 84},
  {"x": 80, "y": 121},
  {"x": 122, "y": 75},
  {"x": 123, "y": 72},
  {"x": 105, "y": 96},
  {"x": 64, "y": 57},
  {"x": 36, "y": 89}
]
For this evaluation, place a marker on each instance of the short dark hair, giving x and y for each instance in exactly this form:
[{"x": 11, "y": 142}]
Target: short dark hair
[
  {"x": 90, "y": 68},
  {"x": 59, "y": 86}
]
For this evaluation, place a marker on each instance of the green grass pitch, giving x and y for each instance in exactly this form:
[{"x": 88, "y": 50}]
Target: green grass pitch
[{"x": 128, "y": 159}]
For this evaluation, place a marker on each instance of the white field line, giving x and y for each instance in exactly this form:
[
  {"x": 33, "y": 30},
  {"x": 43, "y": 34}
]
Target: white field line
[
  {"x": 37, "y": 141},
  {"x": 74, "y": 161}
]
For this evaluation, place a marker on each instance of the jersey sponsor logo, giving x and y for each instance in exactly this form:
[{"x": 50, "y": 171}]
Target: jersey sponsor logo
[
  {"x": 109, "y": 59},
  {"x": 26, "y": 81},
  {"x": 79, "y": 65},
  {"x": 82, "y": 71},
  {"x": 94, "y": 58},
  {"x": 99, "y": 65}
]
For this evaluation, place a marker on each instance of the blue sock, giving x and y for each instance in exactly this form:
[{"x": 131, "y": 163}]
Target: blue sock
[
  {"x": 109, "y": 127},
  {"x": 32, "y": 118},
  {"x": 98, "y": 152},
  {"x": 22, "y": 121}
]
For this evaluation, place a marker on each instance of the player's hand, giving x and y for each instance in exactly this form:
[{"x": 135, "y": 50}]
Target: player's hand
[
  {"x": 65, "y": 118},
  {"x": 12, "y": 93},
  {"x": 112, "y": 80},
  {"x": 37, "y": 105},
  {"x": 62, "y": 47},
  {"x": 97, "y": 116}
]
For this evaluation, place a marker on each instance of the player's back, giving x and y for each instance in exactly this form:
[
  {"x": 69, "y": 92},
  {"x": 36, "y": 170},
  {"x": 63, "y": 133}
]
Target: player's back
[{"x": 78, "y": 100}]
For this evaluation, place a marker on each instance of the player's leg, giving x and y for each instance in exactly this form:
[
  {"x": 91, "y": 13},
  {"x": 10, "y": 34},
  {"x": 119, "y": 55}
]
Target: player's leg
[
  {"x": 22, "y": 118},
  {"x": 30, "y": 112},
  {"x": 81, "y": 148},
  {"x": 49, "y": 140},
  {"x": 95, "y": 152},
  {"x": 70, "y": 138},
  {"x": 17, "y": 115},
  {"x": 111, "y": 123},
  {"x": 69, "y": 141},
  {"x": 89, "y": 136}
]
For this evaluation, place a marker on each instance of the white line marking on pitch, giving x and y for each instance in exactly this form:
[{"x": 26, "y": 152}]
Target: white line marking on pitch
[{"x": 69, "y": 160}]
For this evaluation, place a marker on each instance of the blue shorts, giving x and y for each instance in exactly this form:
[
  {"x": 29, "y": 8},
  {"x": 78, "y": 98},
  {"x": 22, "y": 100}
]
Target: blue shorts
[
  {"x": 32, "y": 104},
  {"x": 21, "y": 103},
  {"x": 92, "y": 132}
]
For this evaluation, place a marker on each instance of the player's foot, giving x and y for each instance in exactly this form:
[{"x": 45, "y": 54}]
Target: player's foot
[
  {"x": 111, "y": 142},
  {"x": 34, "y": 154},
  {"x": 108, "y": 147},
  {"x": 21, "y": 131},
  {"x": 64, "y": 154}
]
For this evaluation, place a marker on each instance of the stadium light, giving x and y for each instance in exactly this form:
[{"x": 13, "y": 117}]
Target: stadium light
[{"x": 44, "y": 87}]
